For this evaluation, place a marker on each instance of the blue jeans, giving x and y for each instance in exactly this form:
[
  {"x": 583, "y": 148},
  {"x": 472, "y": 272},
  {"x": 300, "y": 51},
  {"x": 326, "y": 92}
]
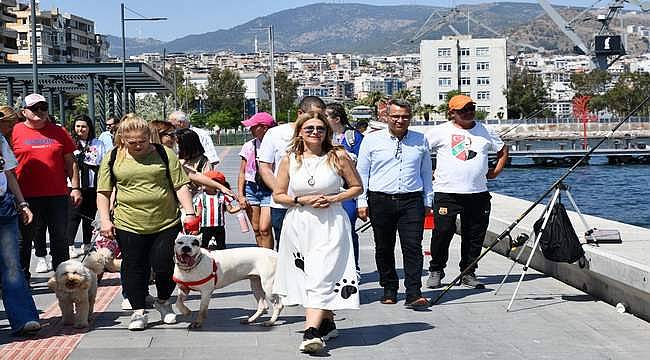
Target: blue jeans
[
  {"x": 277, "y": 218},
  {"x": 17, "y": 298},
  {"x": 350, "y": 207}
]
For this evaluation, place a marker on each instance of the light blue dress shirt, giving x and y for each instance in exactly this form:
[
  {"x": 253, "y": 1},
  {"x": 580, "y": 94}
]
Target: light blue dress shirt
[{"x": 391, "y": 166}]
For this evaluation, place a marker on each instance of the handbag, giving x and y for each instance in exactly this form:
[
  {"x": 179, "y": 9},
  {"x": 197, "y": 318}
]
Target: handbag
[{"x": 258, "y": 178}]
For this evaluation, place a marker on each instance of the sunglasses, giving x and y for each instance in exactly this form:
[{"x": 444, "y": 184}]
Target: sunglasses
[
  {"x": 38, "y": 107},
  {"x": 170, "y": 134},
  {"x": 467, "y": 109},
  {"x": 311, "y": 129}
]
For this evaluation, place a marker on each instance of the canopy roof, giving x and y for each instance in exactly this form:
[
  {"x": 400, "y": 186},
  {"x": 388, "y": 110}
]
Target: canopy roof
[{"x": 73, "y": 78}]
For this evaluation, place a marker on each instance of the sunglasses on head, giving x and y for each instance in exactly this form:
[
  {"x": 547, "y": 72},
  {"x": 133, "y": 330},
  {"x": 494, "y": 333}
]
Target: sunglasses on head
[
  {"x": 311, "y": 129},
  {"x": 38, "y": 107}
]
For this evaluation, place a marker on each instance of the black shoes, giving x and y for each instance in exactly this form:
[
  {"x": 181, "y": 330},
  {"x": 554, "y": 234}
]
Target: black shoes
[
  {"x": 470, "y": 281},
  {"x": 327, "y": 329},
  {"x": 311, "y": 341}
]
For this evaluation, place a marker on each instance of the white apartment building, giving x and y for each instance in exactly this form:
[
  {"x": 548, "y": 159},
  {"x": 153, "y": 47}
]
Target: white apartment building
[
  {"x": 254, "y": 84},
  {"x": 8, "y": 37},
  {"x": 475, "y": 66}
]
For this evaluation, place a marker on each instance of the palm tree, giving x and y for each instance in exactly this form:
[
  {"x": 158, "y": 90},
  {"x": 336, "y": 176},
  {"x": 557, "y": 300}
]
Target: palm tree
[{"x": 373, "y": 99}]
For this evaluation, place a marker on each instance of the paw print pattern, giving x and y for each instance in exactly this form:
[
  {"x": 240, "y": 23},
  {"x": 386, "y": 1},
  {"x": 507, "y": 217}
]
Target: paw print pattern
[
  {"x": 299, "y": 261},
  {"x": 344, "y": 289}
]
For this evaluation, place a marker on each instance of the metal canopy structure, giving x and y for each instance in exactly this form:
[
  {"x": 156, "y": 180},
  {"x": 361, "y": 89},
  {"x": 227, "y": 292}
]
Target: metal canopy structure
[{"x": 101, "y": 81}]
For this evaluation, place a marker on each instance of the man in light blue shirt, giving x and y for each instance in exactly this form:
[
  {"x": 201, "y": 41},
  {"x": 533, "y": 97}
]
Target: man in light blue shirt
[
  {"x": 107, "y": 136},
  {"x": 396, "y": 171}
]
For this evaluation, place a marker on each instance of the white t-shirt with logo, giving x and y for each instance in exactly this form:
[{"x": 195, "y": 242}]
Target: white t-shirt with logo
[
  {"x": 462, "y": 157},
  {"x": 274, "y": 147},
  {"x": 10, "y": 163}
]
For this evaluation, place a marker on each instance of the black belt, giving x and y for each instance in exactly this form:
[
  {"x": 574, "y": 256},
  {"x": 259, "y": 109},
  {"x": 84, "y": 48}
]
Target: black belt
[{"x": 402, "y": 196}]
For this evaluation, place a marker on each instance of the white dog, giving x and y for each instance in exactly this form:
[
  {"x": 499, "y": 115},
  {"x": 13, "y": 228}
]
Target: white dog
[
  {"x": 204, "y": 271},
  {"x": 75, "y": 287},
  {"x": 102, "y": 261}
]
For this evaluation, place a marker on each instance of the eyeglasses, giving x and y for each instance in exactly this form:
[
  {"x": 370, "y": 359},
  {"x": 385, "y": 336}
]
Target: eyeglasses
[
  {"x": 170, "y": 134},
  {"x": 38, "y": 107},
  {"x": 402, "y": 117},
  {"x": 311, "y": 129}
]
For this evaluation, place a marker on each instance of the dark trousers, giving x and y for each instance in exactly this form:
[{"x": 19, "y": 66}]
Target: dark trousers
[
  {"x": 350, "y": 207},
  {"x": 88, "y": 208},
  {"x": 141, "y": 252},
  {"x": 216, "y": 232},
  {"x": 403, "y": 213},
  {"x": 474, "y": 210},
  {"x": 277, "y": 218},
  {"x": 40, "y": 240},
  {"x": 50, "y": 212}
]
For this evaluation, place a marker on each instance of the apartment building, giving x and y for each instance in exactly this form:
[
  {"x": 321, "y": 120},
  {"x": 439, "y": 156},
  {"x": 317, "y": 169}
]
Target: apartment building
[
  {"x": 365, "y": 84},
  {"x": 60, "y": 37},
  {"x": 8, "y": 36},
  {"x": 476, "y": 67}
]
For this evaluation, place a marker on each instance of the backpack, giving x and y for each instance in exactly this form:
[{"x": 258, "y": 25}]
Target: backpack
[
  {"x": 559, "y": 241},
  {"x": 349, "y": 137},
  {"x": 161, "y": 152}
]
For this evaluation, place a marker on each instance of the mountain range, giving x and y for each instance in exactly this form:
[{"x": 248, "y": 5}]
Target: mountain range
[{"x": 368, "y": 29}]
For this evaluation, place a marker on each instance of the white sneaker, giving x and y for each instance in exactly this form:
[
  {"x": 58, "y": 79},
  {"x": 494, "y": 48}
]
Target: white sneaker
[
  {"x": 166, "y": 312},
  {"x": 72, "y": 251},
  {"x": 126, "y": 305},
  {"x": 138, "y": 321},
  {"x": 41, "y": 265}
]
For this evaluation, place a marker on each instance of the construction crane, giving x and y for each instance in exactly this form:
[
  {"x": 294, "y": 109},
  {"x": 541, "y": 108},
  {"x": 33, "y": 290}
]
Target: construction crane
[
  {"x": 606, "y": 42},
  {"x": 431, "y": 25}
]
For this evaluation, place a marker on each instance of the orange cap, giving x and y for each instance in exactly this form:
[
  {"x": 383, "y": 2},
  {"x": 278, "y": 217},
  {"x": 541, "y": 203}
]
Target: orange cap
[
  {"x": 216, "y": 176},
  {"x": 459, "y": 101}
]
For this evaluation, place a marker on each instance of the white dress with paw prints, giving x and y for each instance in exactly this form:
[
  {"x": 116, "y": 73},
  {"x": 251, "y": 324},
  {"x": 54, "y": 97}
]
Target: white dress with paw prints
[{"x": 316, "y": 266}]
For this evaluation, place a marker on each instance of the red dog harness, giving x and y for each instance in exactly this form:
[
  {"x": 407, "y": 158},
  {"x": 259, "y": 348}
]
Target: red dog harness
[{"x": 186, "y": 286}]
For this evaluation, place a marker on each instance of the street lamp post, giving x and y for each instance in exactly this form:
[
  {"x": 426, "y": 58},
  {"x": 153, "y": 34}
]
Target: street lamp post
[
  {"x": 124, "y": 49},
  {"x": 34, "y": 49},
  {"x": 271, "y": 65}
]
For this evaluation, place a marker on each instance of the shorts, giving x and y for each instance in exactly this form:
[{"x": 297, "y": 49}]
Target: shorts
[{"x": 256, "y": 196}]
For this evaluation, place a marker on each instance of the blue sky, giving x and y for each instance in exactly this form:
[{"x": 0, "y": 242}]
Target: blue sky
[{"x": 199, "y": 16}]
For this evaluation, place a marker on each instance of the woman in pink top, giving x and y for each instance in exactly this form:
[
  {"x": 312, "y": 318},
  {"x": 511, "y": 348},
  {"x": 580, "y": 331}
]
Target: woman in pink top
[{"x": 253, "y": 195}]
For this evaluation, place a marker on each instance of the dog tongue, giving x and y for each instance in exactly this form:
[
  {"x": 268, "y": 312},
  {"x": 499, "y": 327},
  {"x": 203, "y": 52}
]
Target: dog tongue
[{"x": 186, "y": 259}]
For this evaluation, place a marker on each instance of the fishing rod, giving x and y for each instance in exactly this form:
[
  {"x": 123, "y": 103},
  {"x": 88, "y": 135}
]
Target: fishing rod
[
  {"x": 529, "y": 117},
  {"x": 506, "y": 233}
]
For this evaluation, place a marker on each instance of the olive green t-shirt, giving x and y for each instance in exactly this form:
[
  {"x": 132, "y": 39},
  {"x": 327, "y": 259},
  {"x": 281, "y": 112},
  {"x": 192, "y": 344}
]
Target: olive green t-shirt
[{"x": 145, "y": 202}]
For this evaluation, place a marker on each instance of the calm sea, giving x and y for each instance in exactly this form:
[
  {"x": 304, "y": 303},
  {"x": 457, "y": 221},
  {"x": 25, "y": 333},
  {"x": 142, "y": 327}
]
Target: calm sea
[{"x": 620, "y": 193}]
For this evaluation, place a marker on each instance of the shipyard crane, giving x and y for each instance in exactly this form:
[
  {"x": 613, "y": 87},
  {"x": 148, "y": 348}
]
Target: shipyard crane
[
  {"x": 606, "y": 42},
  {"x": 448, "y": 18}
]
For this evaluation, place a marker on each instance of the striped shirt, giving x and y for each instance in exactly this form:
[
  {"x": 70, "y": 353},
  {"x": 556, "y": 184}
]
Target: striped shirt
[{"x": 212, "y": 208}]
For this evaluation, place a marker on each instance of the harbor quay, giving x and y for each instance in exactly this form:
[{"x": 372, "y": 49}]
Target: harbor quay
[{"x": 557, "y": 313}]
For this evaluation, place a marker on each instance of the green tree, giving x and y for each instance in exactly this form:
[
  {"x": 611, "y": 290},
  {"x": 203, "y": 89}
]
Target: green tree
[
  {"x": 526, "y": 94},
  {"x": 285, "y": 97},
  {"x": 408, "y": 95},
  {"x": 444, "y": 107},
  {"x": 594, "y": 84},
  {"x": 186, "y": 91},
  {"x": 373, "y": 99},
  {"x": 225, "y": 93},
  {"x": 223, "y": 119},
  {"x": 628, "y": 92}
]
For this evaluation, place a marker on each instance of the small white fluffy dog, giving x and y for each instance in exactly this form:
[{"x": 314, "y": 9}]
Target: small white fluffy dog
[
  {"x": 204, "y": 271},
  {"x": 75, "y": 287},
  {"x": 102, "y": 261}
]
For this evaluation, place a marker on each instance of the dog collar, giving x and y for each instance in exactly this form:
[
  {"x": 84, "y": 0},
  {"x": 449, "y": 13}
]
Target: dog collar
[{"x": 187, "y": 285}]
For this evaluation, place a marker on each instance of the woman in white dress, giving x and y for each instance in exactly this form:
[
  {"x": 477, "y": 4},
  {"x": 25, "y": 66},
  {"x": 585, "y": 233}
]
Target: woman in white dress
[{"x": 316, "y": 266}]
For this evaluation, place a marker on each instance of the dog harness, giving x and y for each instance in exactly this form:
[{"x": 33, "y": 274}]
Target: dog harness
[{"x": 186, "y": 286}]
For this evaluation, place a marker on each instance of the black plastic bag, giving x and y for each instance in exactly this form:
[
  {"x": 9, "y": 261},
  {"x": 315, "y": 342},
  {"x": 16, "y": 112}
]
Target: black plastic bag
[{"x": 559, "y": 241}]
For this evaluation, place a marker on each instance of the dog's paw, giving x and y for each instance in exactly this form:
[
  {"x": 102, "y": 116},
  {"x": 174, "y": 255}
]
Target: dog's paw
[
  {"x": 346, "y": 290},
  {"x": 299, "y": 261}
]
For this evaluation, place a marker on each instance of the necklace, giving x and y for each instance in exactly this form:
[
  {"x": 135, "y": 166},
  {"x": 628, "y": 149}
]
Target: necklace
[{"x": 310, "y": 171}]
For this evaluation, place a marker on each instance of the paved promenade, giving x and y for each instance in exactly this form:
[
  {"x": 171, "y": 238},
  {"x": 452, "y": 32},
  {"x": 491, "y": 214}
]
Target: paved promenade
[{"x": 550, "y": 320}]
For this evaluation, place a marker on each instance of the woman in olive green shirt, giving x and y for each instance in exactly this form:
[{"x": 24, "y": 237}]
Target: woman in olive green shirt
[{"x": 146, "y": 219}]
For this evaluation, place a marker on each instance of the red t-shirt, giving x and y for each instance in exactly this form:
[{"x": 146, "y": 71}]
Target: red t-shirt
[{"x": 41, "y": 168}]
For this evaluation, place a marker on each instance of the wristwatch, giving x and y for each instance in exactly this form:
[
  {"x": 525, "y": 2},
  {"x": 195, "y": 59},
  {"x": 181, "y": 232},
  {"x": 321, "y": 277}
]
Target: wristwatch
[
  {"x": 295, "y": 201},
  {"x": 23, "y": 204}
]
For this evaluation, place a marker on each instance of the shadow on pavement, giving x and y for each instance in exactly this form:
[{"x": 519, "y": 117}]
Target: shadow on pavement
[{"x": 374, "y": 335}]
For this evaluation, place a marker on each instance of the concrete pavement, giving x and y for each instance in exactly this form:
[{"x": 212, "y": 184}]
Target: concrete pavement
[{"x": 550, "y": 320}]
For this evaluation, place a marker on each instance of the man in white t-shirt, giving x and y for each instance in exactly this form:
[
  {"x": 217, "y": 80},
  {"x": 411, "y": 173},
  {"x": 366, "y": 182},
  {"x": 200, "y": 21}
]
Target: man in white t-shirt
[
  {"x": 273, "y": 148},
  {"x": 460, "y": 183},
  {"x": 180, "y": 121}
]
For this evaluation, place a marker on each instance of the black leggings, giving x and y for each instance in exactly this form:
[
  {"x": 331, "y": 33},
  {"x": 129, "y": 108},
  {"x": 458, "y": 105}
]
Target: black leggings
[{"x": 139, "y": 253}]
